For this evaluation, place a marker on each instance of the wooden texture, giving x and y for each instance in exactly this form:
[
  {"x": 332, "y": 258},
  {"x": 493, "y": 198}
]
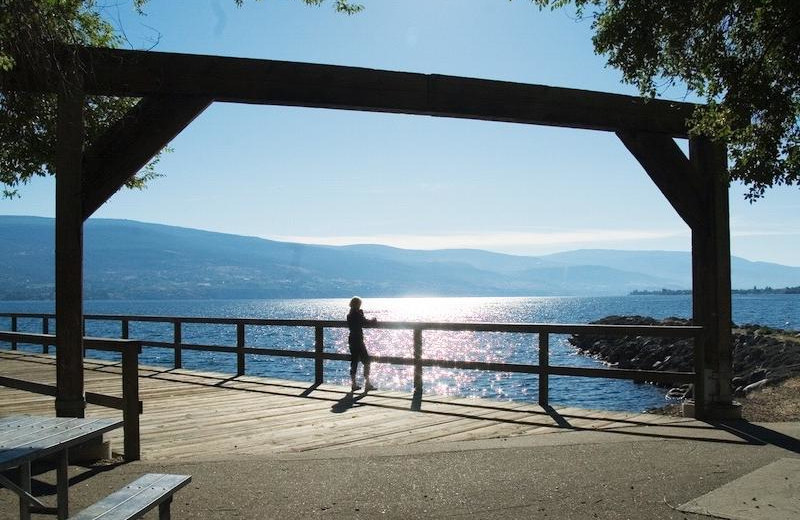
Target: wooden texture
[
  {"x": 120, "y": 72},
  {"x": 192, "y": 414},
  {"x": 132, "y": 406},
  {"x": 70, "y": 401},
  {"x": 137, "y": 498},
  {"x": 544, "y": 362},
  {"x": 130, "y": 143},
  {"x": 711, "y": 277},
  {"x": 129, "y": 403},
  {"x": 24, "y": 439},
  {"x": 670, "y": 170}
]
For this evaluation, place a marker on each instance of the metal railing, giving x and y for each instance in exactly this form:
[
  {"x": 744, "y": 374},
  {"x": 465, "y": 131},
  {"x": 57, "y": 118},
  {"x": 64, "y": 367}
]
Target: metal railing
[{"x": 543, "y": 368}]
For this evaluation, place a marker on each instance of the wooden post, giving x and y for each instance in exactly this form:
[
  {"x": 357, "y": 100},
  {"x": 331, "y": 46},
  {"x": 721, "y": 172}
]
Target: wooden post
[
  {"x": 13, "y": 329},
  {"x": 125, "y": 332},
  {"x": 70, "y": 399},
  {"x": 544, "y": 364},
  {"x": 130, "y": 398},
  {"x": 711, "y": 281},
  {"x": 418, "y": 360},
  {"x": 240, "y": 349},
  {"x": 319, "y": 347},
  {"x": 45, "y": 330},
  {"x": 176, "y": 340}
]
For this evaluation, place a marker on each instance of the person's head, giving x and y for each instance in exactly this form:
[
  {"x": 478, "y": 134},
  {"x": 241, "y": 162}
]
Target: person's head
[{"x": 355, "y": 303}]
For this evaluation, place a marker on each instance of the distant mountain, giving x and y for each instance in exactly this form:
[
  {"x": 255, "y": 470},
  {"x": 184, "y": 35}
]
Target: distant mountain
[
  {"x": 677, "y": 266},
  {"x": 134, "y": 260}
]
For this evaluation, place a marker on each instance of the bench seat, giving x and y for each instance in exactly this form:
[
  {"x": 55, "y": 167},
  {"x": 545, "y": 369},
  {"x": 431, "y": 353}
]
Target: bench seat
[{"x": 137, "y": 498}]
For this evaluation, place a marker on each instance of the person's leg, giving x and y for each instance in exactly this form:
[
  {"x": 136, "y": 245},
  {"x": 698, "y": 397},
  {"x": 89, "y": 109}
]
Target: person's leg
[
  {"x": 355, "y": 355},
  {"x": 367, "y": 362}
]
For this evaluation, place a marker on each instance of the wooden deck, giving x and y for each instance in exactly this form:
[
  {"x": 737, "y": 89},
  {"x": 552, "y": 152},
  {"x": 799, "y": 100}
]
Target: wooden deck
[{"x": 189, "y": 414}]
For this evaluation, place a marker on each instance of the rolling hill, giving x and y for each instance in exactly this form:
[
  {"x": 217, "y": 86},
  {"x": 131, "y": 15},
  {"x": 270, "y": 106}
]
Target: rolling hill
[{"x": 134, "y": 260}]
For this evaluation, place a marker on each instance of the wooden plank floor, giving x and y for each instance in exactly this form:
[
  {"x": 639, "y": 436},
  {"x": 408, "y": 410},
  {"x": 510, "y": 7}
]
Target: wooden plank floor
[{"x": 189, "y": 413}]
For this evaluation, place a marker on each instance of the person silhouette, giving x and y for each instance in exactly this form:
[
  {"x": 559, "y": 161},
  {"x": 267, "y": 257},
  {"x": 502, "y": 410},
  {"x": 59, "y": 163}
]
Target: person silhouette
[{"x": 358, "y": 350}]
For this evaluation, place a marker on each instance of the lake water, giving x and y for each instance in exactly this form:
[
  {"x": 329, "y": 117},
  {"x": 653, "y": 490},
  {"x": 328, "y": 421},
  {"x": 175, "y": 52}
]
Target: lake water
[{"x": 782, "y": 311}]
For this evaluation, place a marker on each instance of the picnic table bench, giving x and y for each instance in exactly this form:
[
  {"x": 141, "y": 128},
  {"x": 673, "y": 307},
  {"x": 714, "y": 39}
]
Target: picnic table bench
[{"x": 137, "y": 498}]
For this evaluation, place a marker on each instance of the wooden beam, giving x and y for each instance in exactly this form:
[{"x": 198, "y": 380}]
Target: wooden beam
[
  {"x": 130, "y": 144},
  {"x": 670, "y": 170},
  {"x": 118, "y": 72},
  {"x": 711, "y": 281},
  {"x": 70, "y": 399}
]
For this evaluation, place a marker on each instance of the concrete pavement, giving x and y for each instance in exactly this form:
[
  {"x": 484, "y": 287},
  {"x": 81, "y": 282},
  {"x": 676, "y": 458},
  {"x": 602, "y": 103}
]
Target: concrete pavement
[{"x": 638, "y": 473}]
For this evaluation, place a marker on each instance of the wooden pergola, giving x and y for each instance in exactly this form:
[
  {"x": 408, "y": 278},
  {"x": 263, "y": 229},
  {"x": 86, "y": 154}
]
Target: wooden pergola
[{"x": 176, "y": 88}]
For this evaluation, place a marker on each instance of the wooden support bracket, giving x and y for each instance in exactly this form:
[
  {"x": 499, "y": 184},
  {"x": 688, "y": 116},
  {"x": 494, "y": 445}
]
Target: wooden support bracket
[
  {"x": 670, "y": 170},
  {"x": 129, "y": 145}
]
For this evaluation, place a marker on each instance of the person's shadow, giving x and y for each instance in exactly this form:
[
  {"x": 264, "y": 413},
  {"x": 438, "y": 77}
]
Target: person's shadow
[{"x": 349, "y": 400}]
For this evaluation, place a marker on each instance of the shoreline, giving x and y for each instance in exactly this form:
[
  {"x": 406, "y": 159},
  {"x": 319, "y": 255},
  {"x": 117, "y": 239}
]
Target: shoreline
[{"x": 766, "y": 363}]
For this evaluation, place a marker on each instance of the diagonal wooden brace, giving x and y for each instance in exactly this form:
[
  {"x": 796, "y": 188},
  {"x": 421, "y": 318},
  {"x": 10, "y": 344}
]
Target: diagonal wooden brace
[
  {"x": 129, "y": 145},
  {"x": 670, "y": 170}
]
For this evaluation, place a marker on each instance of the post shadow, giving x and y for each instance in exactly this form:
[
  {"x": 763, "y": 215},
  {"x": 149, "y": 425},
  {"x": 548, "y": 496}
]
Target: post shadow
[
  {"x": 557, "y": 417},
  {"x": 310, "y": 389}
]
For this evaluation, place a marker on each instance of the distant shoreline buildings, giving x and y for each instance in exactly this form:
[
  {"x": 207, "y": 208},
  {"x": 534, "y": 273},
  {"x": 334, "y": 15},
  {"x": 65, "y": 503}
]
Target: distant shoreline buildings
[{"x": 754, "y": 290}]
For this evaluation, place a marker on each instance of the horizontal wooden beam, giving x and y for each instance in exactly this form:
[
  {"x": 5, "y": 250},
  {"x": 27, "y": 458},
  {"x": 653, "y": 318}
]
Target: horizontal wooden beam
[
  {"x": 117, "y": 72},
  {"x": 129, "y": 144},
  {"x": 670, "y": 170}
]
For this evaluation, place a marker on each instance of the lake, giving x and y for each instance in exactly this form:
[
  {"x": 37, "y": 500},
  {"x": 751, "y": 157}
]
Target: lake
[{"x": 781, "y": 311}]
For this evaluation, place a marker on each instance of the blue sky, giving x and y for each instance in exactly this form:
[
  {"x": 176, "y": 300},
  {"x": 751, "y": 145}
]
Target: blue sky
[{"x": 338, "y": 177}]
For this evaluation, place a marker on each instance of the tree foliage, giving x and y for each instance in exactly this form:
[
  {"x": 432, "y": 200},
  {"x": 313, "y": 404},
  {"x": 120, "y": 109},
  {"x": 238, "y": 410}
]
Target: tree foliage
[
  {"x": 742, "y": 56},
  {"x": 32, "y": 30}
]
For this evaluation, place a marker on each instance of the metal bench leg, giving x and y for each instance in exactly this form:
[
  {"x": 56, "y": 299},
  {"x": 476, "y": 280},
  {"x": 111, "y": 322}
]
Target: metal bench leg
[
  {"x": 62, "y": 485},
  {"x": 163, "y": 509},
  {"x": 25, "y": 484}
]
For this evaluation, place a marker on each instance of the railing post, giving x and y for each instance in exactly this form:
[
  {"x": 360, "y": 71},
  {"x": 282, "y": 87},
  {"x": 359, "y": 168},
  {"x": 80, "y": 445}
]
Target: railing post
[
  {"x": 418, "y": 360},
  {"x": 319, "y": 346},
  {"x": 45, "y": 330},
  {"x": 130, "y": 398},
  {"x": 240, "y": 349},
  {"x": 125, "y": 332},
  {"x": 544, "y": 368},
  {"x": 13, "y": 329},
  {"x": 176, "y": 340}
]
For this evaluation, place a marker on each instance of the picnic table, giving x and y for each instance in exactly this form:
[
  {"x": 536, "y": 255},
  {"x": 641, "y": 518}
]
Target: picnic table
[{"x": 25, "y": 438}]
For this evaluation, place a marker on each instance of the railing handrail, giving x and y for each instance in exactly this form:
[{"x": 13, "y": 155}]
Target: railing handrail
[{"x": 682, "y": 331}]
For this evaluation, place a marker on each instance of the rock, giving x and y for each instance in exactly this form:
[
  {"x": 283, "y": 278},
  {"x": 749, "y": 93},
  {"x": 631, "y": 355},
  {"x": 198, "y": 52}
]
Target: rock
[
  {"x": 756, "y": 354},
  {"x": 758, "y": 375},
  {"x": 754, "y": 386}
]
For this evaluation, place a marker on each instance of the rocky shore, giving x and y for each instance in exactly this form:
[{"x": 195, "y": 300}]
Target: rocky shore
[{"x": 762, "y": 356}]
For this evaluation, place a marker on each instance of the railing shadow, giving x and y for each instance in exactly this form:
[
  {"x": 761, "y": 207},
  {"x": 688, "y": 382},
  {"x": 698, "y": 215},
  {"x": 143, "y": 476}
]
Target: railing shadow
[
  {"x": 549, "y": 417},
  {"x": 759, "y": 435},
  {"x": 459, "y": 410}
]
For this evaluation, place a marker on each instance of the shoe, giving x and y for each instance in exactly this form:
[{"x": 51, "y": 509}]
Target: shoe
[
  {"x": 369, "y": 386},
  {"x": 354, "y": 387}
]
